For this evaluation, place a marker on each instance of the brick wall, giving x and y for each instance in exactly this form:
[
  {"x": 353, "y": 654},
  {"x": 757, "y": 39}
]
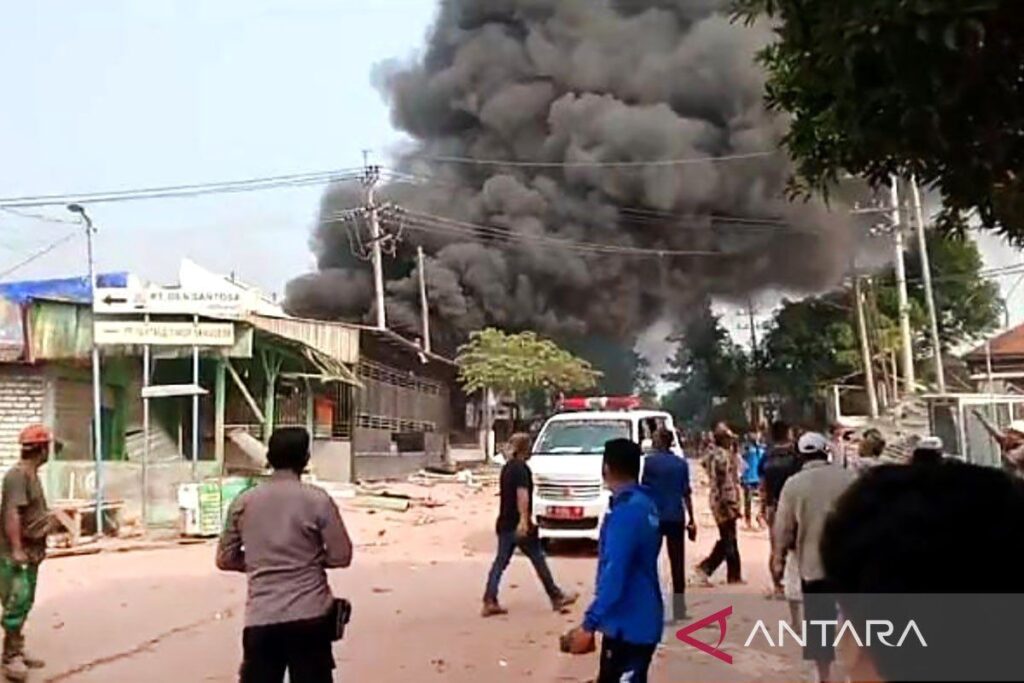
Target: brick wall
[{"x": 22, "y": 400}]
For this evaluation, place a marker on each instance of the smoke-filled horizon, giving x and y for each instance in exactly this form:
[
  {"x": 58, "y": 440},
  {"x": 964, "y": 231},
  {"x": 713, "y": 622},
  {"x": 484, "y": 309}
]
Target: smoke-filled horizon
[{"x": 579, "y": 94}]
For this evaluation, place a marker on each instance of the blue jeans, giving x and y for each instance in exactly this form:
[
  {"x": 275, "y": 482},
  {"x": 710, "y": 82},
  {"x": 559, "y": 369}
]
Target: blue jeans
[{"x": 530, "y": 545}]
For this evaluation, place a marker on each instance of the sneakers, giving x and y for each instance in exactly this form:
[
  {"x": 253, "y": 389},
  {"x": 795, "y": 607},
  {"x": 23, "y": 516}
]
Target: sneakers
[
  {"x": 701, "y": 578},
  {"x": 492, "y": 609},
  {"x": 563, "y": 602},
  {"x": 15, "y": 669}
]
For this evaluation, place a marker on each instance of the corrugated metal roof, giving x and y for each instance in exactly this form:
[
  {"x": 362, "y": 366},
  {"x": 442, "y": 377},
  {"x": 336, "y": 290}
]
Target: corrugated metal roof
[
  {"x": 395, "y": 339},
  {"x": 335, "y": 340}
]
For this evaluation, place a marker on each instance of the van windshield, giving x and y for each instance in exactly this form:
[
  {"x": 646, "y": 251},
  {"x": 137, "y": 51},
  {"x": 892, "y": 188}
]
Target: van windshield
[{"x": 576, "y": 437}]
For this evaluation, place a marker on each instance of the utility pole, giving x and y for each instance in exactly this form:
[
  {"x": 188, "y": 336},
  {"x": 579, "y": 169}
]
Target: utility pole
[
  {"x": 756, "y": 362},
  {"x": 97, "y": 393},
  {"x": 370, "y": 177},
  {"x": 901, "y": 291},
  {"x": 195, "y": 407},
  {"x": 865, "y": 346},
  {"x": 929, "y": 294},
  {"x": 424, "y": 308}
]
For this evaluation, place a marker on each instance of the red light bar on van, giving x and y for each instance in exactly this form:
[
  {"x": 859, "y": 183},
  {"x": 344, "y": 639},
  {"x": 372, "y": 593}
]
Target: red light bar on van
[{"x": 599, "y": 403}]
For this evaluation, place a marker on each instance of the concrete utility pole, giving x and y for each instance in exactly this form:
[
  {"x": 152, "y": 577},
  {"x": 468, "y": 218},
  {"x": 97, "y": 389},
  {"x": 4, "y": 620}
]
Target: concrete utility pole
[
  {"x": 370, "y": 178},
  {"x": 195, "y": 407},
  {"x": 901, "y": 291},
  {"x": 929, "y": 294},
  {"x": 97, "y": 391},
  {"x": 865, "y": 345},
  {"x": 756, "y": 361},
  {"x": 424, "y": 308}
]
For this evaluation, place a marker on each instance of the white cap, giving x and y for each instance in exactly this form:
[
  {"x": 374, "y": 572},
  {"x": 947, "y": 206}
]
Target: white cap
[
  {"x": 1017, "y": 426},
  {"x": 930, "y": 443},
  {"x": 813, "y": 442}
]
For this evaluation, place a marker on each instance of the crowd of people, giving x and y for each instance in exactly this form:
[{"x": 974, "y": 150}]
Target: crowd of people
[
  {"x": 844, "y": 521},
  {"x": 824, "y": 500}
]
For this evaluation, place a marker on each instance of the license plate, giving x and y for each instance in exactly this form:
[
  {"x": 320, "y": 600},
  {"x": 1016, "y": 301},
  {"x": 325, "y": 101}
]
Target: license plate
[{"x": 565, "y": 512}]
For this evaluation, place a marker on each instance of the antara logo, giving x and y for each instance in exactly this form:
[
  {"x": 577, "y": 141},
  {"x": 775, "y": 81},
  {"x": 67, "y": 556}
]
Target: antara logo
[
  {"x": 719, "y": 618},
  {"x": 875, "y": 631}
]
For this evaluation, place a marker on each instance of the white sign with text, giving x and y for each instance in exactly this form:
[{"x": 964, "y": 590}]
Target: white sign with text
[
  {"x": 110, "y": 332},
  {"x": 209, "y": 303}
]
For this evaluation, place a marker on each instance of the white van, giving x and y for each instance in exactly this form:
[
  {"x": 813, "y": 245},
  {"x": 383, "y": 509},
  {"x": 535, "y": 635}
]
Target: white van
[{"x": 569, "y": 497}]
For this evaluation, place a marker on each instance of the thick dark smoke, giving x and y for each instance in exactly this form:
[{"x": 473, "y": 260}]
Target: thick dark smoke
[{"x": 576, "y": 84}]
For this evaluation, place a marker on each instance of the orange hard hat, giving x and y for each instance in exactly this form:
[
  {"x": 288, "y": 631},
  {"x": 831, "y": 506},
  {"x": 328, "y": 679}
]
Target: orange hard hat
[{"x": 35, "y": 434}]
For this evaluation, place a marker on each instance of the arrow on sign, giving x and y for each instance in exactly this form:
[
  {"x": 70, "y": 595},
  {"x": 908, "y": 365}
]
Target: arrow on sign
[{"x": 110, "y": 299}]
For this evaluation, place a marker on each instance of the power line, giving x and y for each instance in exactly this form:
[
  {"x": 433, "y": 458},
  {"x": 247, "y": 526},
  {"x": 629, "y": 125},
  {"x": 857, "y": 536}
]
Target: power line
[
  {"x": 425, "y": 221},
  {"x": 191, "y": 190},
  {"x": 38, "y": 254},
  {"x": 594, "y": 164},
  {"x": 37, "y": 216},
  {"x": 696, "y": 221}
]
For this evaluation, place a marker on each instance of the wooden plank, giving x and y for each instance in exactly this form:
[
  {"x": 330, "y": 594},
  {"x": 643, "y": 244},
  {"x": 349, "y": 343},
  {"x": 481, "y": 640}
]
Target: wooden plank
[
  {"x": 381, "y": 503},
  {"x": 246, "y": 394}
]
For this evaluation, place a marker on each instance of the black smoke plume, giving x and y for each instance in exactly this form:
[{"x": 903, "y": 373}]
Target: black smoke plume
[{"x": 578, "y": 93}]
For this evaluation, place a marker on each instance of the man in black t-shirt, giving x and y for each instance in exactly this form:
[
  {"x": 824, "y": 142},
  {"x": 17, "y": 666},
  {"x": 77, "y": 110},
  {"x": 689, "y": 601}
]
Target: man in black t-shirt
[
  {"x": 515, "y": 530},
  {"x": 781, "y": 463}
]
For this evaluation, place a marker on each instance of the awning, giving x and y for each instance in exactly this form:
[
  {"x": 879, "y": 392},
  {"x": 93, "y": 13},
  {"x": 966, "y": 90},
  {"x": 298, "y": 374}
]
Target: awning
[{"x": 331, "y": 370}]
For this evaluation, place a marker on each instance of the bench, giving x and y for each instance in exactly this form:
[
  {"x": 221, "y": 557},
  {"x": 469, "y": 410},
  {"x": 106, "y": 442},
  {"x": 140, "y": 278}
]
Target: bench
[{"x": 70, "y": 513}]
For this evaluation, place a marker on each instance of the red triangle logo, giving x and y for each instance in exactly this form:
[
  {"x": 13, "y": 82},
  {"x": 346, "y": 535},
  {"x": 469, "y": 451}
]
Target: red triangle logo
[{"x": 718, "y": 617}]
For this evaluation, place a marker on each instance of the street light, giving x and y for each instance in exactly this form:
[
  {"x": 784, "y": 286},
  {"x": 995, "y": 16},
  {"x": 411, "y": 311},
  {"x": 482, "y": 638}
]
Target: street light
[{"x": 97, "y": 405}]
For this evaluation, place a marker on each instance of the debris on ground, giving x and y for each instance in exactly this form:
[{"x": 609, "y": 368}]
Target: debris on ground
[{"x": 382, "y": 503}]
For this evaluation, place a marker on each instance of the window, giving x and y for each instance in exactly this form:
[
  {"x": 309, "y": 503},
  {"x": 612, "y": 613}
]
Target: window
[{"x": 580, "y": 437}]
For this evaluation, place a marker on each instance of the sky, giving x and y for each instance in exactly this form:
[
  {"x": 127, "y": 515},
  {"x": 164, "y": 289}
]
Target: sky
[{"x": 107, "y": 95}]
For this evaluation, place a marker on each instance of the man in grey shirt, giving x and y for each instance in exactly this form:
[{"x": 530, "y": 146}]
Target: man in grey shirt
[
  {"x": 284, "y": 535},
  {"x": 807, "y": 499}
]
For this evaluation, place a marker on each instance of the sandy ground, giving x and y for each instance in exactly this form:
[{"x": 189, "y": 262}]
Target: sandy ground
[{"x": 169, "y": 615}]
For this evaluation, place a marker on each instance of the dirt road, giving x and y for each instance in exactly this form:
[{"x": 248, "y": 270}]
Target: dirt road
[{"x": 168, "y": 615}]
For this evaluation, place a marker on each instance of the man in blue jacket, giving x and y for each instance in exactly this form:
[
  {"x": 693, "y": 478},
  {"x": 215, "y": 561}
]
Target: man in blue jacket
[
  {"x": 668, "y": 476},
  {"x": 627, "y": 608}
]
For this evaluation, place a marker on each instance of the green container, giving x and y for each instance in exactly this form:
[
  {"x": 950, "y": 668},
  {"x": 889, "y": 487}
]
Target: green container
[
  {"x": 209, "y": 508},
  {"x": 231, "y": 488}
]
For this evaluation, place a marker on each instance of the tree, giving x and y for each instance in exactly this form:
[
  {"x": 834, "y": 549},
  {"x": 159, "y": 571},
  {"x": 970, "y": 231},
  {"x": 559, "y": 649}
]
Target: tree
[
  {"x": 925, "y": 87},
  {"x": 520, "y": 362},
  {"x": 809, "y": 343},
  {"x": 644, "y": 384},
  {"x": 711, "y": 373},
  {"x": 813, "y": 342}
]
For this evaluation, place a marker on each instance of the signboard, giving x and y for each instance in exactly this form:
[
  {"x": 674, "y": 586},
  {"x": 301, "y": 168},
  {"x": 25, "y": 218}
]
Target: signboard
[
  {"x": 211, "y": 303},
  {"x": 164, "y": 334}
]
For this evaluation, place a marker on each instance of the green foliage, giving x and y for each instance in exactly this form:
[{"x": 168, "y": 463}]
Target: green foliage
[
  {"x": 925, "y": 87},
  {"x": 813, "y": 342},
  {"x": 644, "y": 384},
  {"x": 968, "y": 305},
  {"x": 619, "y": 365},
  {"x": 520, "y": 362},
  {"x": 711, "y": 373},
  {"x": 810, "y": 342}
]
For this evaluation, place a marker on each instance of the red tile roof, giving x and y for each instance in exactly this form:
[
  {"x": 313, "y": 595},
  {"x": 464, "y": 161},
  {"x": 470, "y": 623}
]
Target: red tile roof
[{"x": 1009, "y": 344}]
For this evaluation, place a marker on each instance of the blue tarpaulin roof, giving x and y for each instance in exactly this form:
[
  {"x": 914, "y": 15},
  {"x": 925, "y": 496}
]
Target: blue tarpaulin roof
[{"x": 74, "y": 289}]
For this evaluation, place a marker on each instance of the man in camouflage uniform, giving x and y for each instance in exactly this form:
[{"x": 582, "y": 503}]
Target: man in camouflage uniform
[
  {"x": 26, "y": 522},
  {"x": 723, "y": 473}
]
